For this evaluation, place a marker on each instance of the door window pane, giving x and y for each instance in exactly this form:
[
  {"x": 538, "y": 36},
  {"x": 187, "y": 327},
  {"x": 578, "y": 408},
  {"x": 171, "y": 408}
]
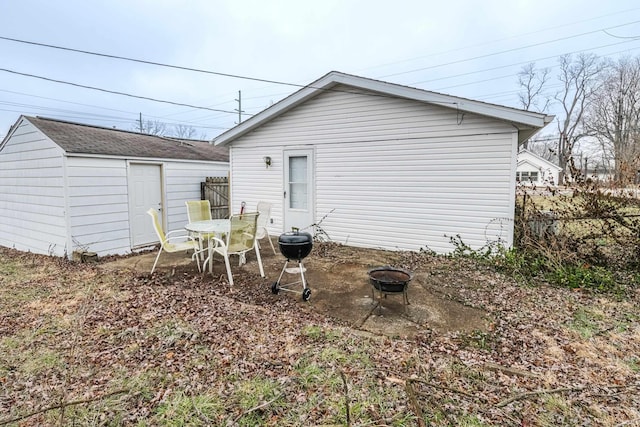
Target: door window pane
[{"x": 298, "y": 182}]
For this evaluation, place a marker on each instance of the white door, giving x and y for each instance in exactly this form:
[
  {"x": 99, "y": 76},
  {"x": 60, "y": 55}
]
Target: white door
[
  {"x": 145, "y": 191},
  {"x": 298, "y": 191}
]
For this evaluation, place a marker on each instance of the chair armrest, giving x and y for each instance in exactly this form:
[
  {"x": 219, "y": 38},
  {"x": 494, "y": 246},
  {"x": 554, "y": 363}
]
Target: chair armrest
[
  {"x": 172, "y": 236},
  {"x": 217, "y": 241}
]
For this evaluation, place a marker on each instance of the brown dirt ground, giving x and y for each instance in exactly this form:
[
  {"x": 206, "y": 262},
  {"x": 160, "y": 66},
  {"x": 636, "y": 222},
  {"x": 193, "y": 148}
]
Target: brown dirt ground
[{"x": 340, "y": 288}]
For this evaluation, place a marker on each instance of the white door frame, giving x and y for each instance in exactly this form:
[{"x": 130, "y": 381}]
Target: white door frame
[
  {"x": 299, "y": 217},
  {"x": 139, "y": 212}
]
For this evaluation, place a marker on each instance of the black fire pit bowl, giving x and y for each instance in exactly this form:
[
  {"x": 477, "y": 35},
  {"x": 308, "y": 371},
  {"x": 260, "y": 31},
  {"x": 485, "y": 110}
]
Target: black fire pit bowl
[{"x": 390, "y": 280}]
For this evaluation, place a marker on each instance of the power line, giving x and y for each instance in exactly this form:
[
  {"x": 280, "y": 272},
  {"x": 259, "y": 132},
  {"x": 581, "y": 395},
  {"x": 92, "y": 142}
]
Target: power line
[
  {"x": 62, "y": 100},
  {"x": 93, "y": 115},
  {"x": 620, "y": 37},
  {"x": 509, "y": 50},
  {"x": 238, "y": 76},
  {"x": 159, "y": 64},
  {"x": 115, "y": 92},
  {"x": 252, "y": 78},
  {"x": 518, "y": 63},
  {"x": 502, "y": 39},
  {"x": 552, "y": 86},
  {"x": 510, "y": 75}
]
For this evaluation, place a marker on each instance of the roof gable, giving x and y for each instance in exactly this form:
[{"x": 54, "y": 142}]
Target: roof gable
[
  {"x": 527, "y": 122},
  {"x": 77, "y": 138},
  {"x": 526, "y": 156}
]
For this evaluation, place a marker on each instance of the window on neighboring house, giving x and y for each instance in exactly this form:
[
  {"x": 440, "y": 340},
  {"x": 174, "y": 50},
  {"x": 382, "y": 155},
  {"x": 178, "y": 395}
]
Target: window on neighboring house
[{"x": 527, "y": 176}]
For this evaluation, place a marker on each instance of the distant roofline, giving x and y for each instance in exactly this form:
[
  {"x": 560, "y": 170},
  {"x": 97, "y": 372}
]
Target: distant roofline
[{"x": 542, "y": 159}]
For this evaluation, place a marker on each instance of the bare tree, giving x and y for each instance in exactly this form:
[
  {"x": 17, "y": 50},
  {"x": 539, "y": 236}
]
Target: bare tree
[
  {"x": 579, "y": 77},
  {"x": 544, "y": 146},
  {"x": 184, "y": 131},
  {"x": 614, "y": 117},
  {"x": 533, "y": 83},
  {"x": 151, "y": 127}
]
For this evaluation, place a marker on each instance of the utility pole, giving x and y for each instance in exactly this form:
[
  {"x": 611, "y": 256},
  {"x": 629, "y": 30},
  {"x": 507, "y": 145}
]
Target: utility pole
[
  {"x": 140, "y": 122},
  {"x": 586, "y": 167},
  {"x": 239, "y": 109},
  {"x": 562, "y": 160}
]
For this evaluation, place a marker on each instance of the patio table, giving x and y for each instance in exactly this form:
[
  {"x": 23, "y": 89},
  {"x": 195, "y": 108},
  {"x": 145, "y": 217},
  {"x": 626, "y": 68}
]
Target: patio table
[{"x": 218, "y": 227}]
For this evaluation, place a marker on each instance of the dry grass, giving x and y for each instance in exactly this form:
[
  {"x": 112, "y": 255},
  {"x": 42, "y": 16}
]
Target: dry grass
[{"x": 83, "y": 346}]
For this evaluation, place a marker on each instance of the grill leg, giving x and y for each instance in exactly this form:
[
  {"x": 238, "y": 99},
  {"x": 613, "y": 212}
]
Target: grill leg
[
  {"x": 282, "y": 272},
  {"x": 301, "y": 267}
]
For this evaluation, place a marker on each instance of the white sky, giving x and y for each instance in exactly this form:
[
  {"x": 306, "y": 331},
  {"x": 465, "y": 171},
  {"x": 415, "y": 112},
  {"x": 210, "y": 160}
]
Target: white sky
[{"x": 465, "y": 48}]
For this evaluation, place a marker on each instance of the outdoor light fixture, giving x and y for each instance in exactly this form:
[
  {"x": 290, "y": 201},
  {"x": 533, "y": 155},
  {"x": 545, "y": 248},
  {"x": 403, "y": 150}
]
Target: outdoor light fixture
[{"x": 267, "y": 161}]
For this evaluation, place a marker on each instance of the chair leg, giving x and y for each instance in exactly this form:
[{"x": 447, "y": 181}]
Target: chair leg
[
  {"x": 271, "y": 243},
  {"x": 197, "y": 257},
  {"x": 259, "y": 261},
  {"x": 226, "y": 263},
  {"x": 156, "y": 262}
]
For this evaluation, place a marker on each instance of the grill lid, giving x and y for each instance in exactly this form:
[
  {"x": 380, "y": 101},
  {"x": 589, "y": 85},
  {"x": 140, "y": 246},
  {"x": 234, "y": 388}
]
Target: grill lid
[
  {"x": 295, "y": 237},
  {"x": 295, "y": 244}
]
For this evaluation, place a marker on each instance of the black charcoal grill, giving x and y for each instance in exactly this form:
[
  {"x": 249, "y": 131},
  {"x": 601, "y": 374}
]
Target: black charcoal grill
[{"x": 295, "y": 246}]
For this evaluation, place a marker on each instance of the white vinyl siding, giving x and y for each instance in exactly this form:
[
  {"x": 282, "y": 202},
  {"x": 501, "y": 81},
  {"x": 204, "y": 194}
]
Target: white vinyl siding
[
  {"x": 98, "y": 204},
  {"x": 52, "y": 203},
  {"x": 407, "y": 197},
  {"x": 32, "y": 202},
  {"x": 252, "y": 181},
  {"x": 98, "y": 198},
  {"x": 389, "y": 172},
  {"x": 182, "y": 182}
]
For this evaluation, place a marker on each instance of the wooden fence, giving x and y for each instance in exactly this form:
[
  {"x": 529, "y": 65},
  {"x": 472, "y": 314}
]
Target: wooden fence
[{"x": 216, "y": 190}]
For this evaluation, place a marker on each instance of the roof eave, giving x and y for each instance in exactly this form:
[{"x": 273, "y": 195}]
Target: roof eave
[
  {"x": 526, "y": 133},
  {"x": 273, "y": 111},
  {"x": 521, "y": 118},
  {"x": 11, "y": 130}
]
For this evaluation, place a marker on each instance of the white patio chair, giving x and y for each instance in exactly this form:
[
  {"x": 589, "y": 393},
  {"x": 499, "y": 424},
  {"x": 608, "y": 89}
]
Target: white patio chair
[
  {"x": 240, "y": 240},
  {"x": 199, "y": 210},
  {"x": 168, "y": 241},
  {"x": 265, "y": 214}
]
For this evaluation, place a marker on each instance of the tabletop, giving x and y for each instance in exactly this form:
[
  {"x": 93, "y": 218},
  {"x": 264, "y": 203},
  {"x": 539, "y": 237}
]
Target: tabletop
[{"x": 218, "y": 226}]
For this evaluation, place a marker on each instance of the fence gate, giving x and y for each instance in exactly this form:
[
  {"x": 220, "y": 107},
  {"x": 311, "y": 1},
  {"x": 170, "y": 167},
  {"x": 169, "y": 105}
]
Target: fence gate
[{"x": 216, "y": 191}]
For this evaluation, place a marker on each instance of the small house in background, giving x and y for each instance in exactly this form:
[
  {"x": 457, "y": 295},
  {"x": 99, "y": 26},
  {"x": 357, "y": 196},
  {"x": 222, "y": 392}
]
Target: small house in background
[
  {"x": 534, "y": 170},
  {"x": 67, "y": 187},
  {"x": 375, "y": 164}
]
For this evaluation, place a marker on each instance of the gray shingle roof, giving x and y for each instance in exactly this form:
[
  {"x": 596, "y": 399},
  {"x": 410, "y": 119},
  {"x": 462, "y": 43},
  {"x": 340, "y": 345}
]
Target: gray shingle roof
[{"x": 87, "y": 139}]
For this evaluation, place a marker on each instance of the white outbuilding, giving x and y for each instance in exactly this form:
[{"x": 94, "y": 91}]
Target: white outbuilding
[
  {"x": 68, "y": 187},
  {"x": 374, "y": 164},
  {"x": 535, "y": 170}
]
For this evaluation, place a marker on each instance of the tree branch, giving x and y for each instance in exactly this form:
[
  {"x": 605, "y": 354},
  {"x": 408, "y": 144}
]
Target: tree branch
[
  {"x": 536, "y": 393},
  {"x": 62, "y": 406},
  {"x": 345, "y": 388},
  {"x": 415, "y": 405},
  {"x": 442, "y": 387},
  {"x": 256, "y": 408}
]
